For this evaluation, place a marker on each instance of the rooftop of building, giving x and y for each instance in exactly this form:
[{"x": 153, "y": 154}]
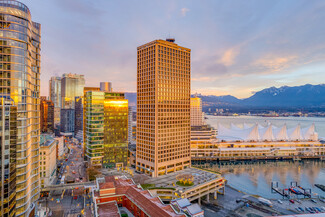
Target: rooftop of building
[
  {"x": 109, "y": 209},
  {"x": 164, "y": 42},
  {"x": 46, "y": 140},
  {"x": 152, "y": 206},
  {"x": 200, "y": 177}
]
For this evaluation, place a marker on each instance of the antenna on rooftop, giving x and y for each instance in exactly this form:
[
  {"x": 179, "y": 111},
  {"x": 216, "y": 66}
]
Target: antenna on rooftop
[{"x": 170, "y": 39}]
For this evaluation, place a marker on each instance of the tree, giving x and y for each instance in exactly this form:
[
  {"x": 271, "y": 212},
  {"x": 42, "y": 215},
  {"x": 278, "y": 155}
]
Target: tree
[{"x": 92, "y": 173}]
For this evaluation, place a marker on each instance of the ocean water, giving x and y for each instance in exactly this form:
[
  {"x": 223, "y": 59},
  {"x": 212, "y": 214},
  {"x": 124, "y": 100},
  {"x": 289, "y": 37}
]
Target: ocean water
[{"x": 256, "y": 178}]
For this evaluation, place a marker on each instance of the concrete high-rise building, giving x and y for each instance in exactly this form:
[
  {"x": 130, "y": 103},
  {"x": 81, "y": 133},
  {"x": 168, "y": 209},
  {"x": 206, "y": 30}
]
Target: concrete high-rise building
[
  {"x": 106, "y": 86},
  {"x": 55, "y": 97},
  {"x": 196, "y": 112},
  {"x": 8, "y": 139},
  {"x": 67, "y": 122},
  {"x": 106, "y": 129},
  {"x": 20, "y": 48},
  {"x": 163, "y": 107},
  {"x": 72, "y": 85}
]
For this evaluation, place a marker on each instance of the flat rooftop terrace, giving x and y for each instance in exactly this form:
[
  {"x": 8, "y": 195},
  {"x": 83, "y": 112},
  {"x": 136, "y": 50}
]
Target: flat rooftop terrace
[{"x": 169, "y": 180}]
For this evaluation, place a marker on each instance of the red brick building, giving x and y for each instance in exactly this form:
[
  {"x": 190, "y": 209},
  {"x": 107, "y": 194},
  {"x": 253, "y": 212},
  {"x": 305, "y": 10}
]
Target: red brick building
[{"x": 127, "y": 194}]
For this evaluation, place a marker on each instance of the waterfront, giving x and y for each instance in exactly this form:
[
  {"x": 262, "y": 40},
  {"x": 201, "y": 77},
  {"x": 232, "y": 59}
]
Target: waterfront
[
  {"x": 256, "y": 178},
  {"x": 277, "y": 121}
]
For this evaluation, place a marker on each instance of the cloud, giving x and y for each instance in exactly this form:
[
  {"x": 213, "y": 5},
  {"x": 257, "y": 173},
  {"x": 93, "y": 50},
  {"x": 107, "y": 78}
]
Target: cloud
[
  {"x": 228, "y": 58},
  {"x": 184, "y": 11},
  {"x": 275, "y": 63}
]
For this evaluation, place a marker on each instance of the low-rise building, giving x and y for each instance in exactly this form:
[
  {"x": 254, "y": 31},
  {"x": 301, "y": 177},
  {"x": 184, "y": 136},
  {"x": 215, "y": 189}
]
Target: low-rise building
[
  {"x": 205, "y": 145},
  {"x": 60, "y": 148},
  {"x": 48, "y": 159},
  {"x": 183, "y": 204},
  {"x": 117, "y": 194}
]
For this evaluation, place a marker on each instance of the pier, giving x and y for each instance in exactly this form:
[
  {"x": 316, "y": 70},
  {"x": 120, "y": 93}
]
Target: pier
[
  {"x": 294, "y": 189},
  {"x": 283, "y": 192}
]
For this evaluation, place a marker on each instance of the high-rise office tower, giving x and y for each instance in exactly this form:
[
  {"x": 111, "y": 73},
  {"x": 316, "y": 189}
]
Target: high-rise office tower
[
  {"x": 78, "y": 124},
  {"x": 8, "y": 141},
  {"x": 20, "y": 82},
  {"x": 67, "y": 122},
  {"x": 47, "y": 115},
  {"x": 196, "y": 112},
  {"x": 55, "y": 97},
  {"x": 106, "y": 86},
  {"x": 72, "y": 85},
  {"x": 86, "y": 89},
  {"x": 106, "y": 129},
  {"x": 163, "y": 107}
]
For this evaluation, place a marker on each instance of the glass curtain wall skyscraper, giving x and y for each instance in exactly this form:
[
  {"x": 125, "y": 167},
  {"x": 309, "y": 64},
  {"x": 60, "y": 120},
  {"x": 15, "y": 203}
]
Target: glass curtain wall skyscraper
[
  {"x": 106, "y": 129},
  {"x": 20, "y": 47},
  {"x": 72, "y": 85},
  {"x": 163, "y": 107},
  {"x": 8, "y": 140},
  {"x": 55, "y": 97}
]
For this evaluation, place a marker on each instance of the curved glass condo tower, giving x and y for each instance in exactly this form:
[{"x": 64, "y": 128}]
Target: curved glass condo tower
[{"x": 20, "y": 88}]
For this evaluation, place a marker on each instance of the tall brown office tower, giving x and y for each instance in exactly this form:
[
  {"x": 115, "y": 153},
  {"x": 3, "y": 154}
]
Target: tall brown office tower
[{"x": 163, "y": 107}]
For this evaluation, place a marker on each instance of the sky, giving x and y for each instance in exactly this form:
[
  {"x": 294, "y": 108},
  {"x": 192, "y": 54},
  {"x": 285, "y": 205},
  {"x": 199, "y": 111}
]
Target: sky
[{"x": 238, "y": 47}]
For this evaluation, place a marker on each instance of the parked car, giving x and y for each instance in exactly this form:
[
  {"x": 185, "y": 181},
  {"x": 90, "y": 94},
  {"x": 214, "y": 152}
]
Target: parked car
[
  {"x": 292, "y": 201},
  {"x": 314, "y": 201}
]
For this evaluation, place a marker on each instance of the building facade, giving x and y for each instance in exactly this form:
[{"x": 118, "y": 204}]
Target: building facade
[
  {"x": 72, "y": 85},
  {"x": 132, "y": 125},
  {"x": 106, "y": 129},
  {"x": 78, "y": 123},
  {"x": 55, "y": 97},
  {"x": 48, "y": 159},
  {"x": 106, "y": 86},
  {"x": 20, "y": 82},
  {"x": 47, "y": 116},
  {"x": 67, "y": 122},
  {"x": 196, "y": 112},
  {"x": 86, "y": 89},
  {"x": 8, "y": 138},
  {"x": 60, "y": 147},
  {"x": 163, "y": 107}
]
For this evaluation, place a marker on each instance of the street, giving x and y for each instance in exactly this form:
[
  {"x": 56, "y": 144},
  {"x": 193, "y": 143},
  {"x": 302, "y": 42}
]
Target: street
[{"x": 69, "y": 202}]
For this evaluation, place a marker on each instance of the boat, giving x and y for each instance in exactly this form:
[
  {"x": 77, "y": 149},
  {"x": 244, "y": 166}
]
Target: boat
[{"x": 295, "y": 190}]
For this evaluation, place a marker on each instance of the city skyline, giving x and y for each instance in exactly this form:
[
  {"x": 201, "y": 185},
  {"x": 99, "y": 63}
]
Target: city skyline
[{"x": 237, "y": 48}]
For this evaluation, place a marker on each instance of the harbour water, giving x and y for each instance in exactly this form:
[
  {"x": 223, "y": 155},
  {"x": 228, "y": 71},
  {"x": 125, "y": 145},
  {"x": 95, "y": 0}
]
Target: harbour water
[{"x": 256, "y": 178}]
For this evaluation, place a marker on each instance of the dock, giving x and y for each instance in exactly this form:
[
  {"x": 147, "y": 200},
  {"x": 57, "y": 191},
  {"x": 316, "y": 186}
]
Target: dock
[
  {"x": 321, "y": 187},
  {"x": 294, "y": 189},
  {"x": 283, "y": 192}
]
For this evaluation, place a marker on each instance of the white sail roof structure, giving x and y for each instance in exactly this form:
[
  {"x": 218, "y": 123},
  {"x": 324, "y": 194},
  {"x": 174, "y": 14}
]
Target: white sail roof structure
[
  {"x": 295, "y": 134},
  {"x": 309, "y": 133},
  {"x": 266, "y": 133},
  {"x": 235, "y": 127},
  {"x": 280, "y": 134},
  {"x": 270, "y": 132}
]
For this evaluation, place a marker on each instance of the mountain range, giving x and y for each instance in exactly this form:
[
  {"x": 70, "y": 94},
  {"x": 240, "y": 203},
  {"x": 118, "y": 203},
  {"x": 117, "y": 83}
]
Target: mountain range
[{"x": 305, "y": 96}]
